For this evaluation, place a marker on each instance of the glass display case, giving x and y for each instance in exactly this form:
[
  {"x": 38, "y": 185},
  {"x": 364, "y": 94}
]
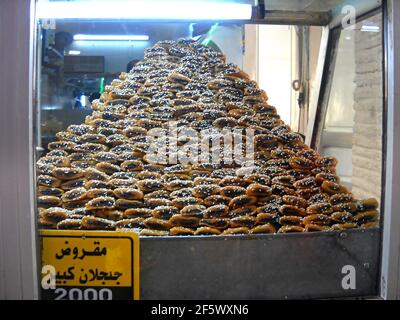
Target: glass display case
[{"x": 247, "y": 149}]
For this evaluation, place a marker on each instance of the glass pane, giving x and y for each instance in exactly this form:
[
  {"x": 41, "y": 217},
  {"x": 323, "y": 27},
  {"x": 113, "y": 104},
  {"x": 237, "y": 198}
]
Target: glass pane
[
  {"x": 353, "y": 124},
  {"x": 73, "y": 73},
  {"x": 162, "y": 134}
]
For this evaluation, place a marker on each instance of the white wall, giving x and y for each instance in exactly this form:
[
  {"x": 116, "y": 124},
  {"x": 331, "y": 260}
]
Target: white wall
[{"x": 275, "y": 67}]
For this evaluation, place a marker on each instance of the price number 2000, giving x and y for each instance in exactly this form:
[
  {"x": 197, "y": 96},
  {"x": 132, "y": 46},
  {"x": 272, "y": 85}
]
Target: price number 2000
[{"x": 83, "y": 294}]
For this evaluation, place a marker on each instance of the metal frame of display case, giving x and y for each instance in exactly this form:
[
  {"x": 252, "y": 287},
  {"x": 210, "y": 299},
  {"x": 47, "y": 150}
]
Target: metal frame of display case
[
  {"x": 18, "y": 237},
  {"x": 380, "y": 273},
  {"x": 279, "y": 266},
  {"x": 390, "y": 268}
]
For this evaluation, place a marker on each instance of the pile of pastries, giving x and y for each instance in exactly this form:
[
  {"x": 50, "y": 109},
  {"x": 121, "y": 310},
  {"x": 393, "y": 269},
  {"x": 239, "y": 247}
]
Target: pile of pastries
[{"x": 101, "y": 175}]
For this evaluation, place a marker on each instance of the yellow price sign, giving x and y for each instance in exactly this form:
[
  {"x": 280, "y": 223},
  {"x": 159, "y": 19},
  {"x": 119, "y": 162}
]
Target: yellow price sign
[{"x": 89, "y": 265}]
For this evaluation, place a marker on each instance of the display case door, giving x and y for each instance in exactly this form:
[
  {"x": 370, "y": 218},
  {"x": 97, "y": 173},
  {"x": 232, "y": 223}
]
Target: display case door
[
  {"x": 333, "y": 70},
  {"x": 390, "y": 272}
]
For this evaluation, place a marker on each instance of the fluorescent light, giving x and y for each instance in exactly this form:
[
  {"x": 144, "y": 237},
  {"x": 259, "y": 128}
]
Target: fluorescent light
[
  {"x": 51, "y": 107},
  {"x": 370, "y": 28},
  {"x": 74, "y": 52},
  {"x": 144, "y": 10},
  {"x": 82, "y": 100},
  {"x": 110, "y": 37}
]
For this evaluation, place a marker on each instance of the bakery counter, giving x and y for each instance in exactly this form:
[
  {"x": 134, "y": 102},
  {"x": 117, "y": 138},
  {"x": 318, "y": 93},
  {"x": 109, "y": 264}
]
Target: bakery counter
[{"x": 281, "y": 266}]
